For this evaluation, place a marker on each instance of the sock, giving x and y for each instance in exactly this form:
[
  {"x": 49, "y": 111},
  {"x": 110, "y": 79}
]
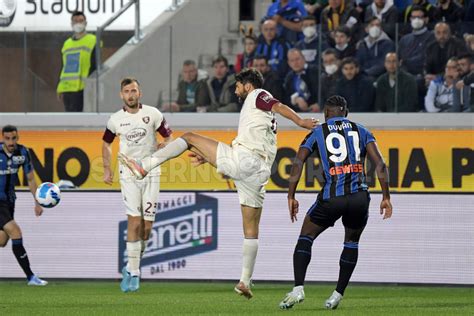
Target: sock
[
  {"x": 347, "y": 264},
  {"x": 250, "y": 248},
  {"x": 301, "y": 258},
  {"x": 173, "y": 149},
  {"x": 22, "y": 257},
  {"x": 133, "y": 251},
  {"x": 142, "y": 247}
]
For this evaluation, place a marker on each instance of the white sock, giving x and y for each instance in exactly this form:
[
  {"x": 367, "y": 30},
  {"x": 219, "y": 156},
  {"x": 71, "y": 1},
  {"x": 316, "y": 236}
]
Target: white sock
[
  {"x": 173, "y": 149},
  {"x": 250, "y": 248},
  {"x": 133, "y": 251},
  {"x": 298, "y": 288},
  {"x": 142, "y": 247}
]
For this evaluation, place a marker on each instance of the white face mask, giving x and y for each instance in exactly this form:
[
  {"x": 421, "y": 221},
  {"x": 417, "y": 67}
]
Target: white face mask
[
  {"x": 330, "y": 69},
  {"x": 341, "y": 48},
  {"x": 78, "y": 27},
  {"x": 417, "y": 23},
  {"x": 309, "y": 31},
  {"x": 374, "y": 31}
]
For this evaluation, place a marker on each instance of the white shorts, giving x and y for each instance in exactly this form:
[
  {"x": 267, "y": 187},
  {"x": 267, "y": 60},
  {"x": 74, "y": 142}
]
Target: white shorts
[
  {"x": 141, "y": 196},
  {"x": 249, "y": 171}
]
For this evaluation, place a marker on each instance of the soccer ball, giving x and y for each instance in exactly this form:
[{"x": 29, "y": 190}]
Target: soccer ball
[{"x": 48, "y": 195}]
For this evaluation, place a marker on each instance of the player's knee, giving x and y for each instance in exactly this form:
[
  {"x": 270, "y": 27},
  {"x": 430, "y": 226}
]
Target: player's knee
[{"x": 188, "y": 137}]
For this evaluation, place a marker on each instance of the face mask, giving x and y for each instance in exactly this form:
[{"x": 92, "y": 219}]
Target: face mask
[
  {"x": 341, "y": 48},
  {"x": 417, "y": 23},
  {"x": 309, "y": 31},
  {"x": 330, "y": 69},
  {"x": 374, "y": 31},
  {"x": 78, "y": 27}
]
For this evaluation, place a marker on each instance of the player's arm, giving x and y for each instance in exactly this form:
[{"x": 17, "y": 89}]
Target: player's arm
[
  {"x": 295, "y": 175},
  {"x": 382, "y": 174},
  {"x": 288, "y": 113},
  {"x": 106, "y": 160},
  {"x": 30, "y": 176}
]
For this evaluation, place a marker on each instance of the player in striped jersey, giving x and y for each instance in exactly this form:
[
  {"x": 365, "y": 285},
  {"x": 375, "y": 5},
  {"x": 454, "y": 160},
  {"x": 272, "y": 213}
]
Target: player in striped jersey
[{"x": 342, "y": 147}]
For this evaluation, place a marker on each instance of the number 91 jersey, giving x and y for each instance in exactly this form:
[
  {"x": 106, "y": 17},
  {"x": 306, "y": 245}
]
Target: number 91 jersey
[{"x": 342, "y": 147}]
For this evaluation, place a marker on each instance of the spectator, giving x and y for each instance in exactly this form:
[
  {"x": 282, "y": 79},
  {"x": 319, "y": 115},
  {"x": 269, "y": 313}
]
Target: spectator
[
  {"x": 78, "y": 62},
  {"x": 449, "y": 11},
  {"x": 309, "y": 45},
  {"x": 462, "y": 91},
  {"x": 217, "y": 94},
  {"x": 412, "y": 46},
  {"x": 273, "y": 48},
  {"x": 245, "y": 59},
  {"x": 288, "y": 15},
  {"x": 469, "y": 39},
  {"x": 315, "y": 7},
  {"x": 271, "y": 81},
  {"x": 395, "y": 90},
  {"x": 331, "y": 73},
  {"x": 430, "y": 10},
  {"x": 386, "y": 12},
  {"x": 439, "y": 51},
  {"x": 343, "y": 43},
  {"x": 301, "y": 84},
  {"x": 355, "y": 87},
  {"x": 372, "y": 50},
  {"x": 339, "y": 13},
  {"x": 439, "y": 97},
  {"x": 187, "y": 87}
]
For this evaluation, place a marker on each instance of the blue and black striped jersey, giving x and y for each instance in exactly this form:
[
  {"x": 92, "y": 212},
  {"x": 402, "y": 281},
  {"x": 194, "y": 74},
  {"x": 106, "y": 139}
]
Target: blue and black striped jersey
[
  {"x": 341, "y": 147},
  {"x": 9, "y": 166}
]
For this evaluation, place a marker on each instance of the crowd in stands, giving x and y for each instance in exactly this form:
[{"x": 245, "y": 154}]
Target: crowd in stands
[{"x": 381, "y": 55}]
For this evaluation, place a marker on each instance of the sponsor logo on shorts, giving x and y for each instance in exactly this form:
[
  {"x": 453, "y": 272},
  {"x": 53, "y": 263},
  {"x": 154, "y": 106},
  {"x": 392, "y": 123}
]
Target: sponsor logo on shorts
[{"x": 184, "y": 226}]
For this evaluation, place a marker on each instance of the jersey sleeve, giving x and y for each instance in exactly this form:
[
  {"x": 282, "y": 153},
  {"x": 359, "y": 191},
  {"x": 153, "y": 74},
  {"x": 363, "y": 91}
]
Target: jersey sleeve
[
  {"x": 368, "y": 137},
  {"x": 109, "y": 133},
  {"x": 164, "y": 129},
  {"x": 310, "y": 142},
  {"x": 265, "y": 101},
  {"x": 27, "y": 165}
]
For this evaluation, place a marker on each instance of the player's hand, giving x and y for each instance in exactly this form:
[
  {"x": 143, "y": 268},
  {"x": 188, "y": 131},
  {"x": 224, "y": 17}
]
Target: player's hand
[
  {"x": 108, "y": 176},
  {"x": 386, "y": 208},
  {"x": 38, "y": 210},
  {"x": 293, "y": 207},
  {"x": 460, "y": 85},
  {"x": 309, "y": 123},
  {"x": 196, "y": 160}
]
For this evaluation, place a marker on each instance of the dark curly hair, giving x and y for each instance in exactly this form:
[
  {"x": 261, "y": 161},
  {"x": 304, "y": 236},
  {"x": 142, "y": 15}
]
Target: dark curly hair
[
  {"x": 250, "y": 75},
  {"x": 337, "y": 101}
]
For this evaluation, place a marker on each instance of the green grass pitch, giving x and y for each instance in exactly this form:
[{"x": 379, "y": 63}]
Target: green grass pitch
[{"x": 218, "y": 298}]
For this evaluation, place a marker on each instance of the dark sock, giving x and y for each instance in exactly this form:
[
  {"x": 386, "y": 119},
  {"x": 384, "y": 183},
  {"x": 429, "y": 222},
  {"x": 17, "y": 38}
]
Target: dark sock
[
  {"x": 22, "y": 257},
  {"x": 347, "y": 264},
  {"x": 301, "y": 258}
]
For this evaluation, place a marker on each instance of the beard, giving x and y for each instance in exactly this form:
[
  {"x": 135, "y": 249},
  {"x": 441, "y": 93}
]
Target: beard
[
  {"x": 242, "y": 96},
  {"x": 131, "y": 103}
]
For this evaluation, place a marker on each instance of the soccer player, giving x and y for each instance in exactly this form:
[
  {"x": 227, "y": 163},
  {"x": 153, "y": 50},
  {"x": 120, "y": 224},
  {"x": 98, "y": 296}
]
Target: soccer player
[
  {"x": 136, "y": 125},
  {"x": 247, "y": 161},
  {"x": 342, "y": 146},
  {"x": 12, "y": 157}
]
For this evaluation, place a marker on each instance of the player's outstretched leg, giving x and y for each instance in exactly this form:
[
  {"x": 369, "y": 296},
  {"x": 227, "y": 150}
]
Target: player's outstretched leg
[
  {"x": 301, "y": 260},
  {"x": 347, "y": 264},
  {"x": 204, "y": 146}
]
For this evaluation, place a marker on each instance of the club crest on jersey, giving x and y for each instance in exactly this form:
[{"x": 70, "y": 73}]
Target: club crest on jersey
[{"x": 146, "y": 119}]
